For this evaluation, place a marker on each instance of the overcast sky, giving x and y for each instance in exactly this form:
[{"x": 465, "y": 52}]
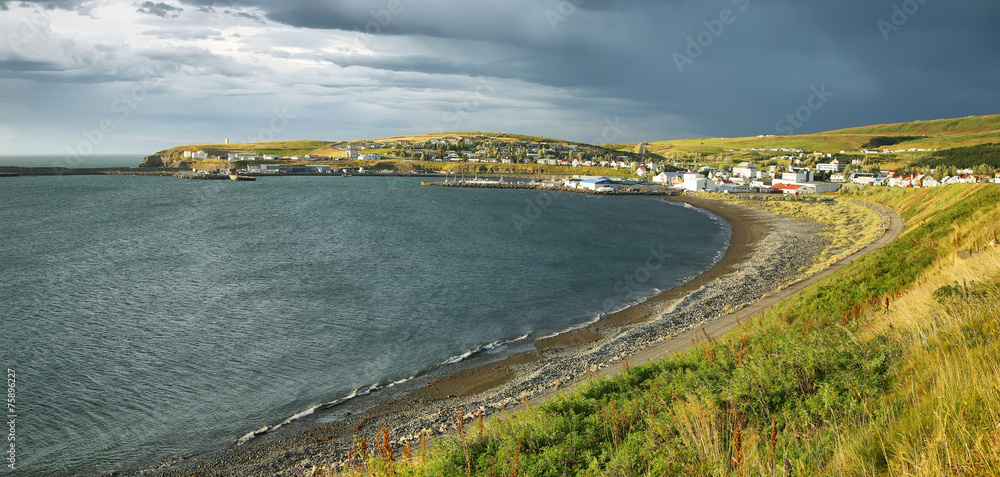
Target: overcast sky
[{"x": 102, "y": 77}]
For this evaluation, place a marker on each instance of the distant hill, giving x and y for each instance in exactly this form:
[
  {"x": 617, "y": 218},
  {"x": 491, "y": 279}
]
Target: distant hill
[
  {"x": 174, "y": 157},
  {"x": 937, "y": 135}
]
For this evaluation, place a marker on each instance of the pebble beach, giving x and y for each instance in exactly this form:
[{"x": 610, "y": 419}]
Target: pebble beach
[{"x": 766, "y": 252}]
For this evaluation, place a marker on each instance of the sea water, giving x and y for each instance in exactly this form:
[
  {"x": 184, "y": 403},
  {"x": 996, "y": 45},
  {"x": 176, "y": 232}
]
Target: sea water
[{"x": 151, "y": 316}]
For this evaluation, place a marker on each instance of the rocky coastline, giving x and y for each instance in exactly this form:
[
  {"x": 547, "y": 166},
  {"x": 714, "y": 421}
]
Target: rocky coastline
[{"x": 766, "y": 252}]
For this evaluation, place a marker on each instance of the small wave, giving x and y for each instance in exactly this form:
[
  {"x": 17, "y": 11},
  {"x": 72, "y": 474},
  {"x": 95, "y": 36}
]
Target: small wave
[
  {"x": 486, "y": 347},
  {"x": 354, "y": 394},
  {"x": 585, "y": 324},
  {"x": 251, "y": 435},
  {"x": 374, "y": 387}
]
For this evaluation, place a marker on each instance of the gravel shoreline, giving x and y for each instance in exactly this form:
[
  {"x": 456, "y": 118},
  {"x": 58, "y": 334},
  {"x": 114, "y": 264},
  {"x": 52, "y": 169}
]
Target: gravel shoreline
[{"x": 766, "y": 252}]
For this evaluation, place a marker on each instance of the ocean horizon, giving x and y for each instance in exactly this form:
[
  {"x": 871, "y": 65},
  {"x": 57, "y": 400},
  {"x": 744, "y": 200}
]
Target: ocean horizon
[{"x": 73, "y": 162}]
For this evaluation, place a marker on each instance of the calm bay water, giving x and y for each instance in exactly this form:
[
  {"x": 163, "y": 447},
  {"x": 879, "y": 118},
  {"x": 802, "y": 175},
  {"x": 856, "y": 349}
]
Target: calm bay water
[{"x": 150, "y": 316}]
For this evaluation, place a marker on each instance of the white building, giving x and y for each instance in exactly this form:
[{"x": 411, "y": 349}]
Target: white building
[
  {"x": 820, "y": 187},
  {"x": 834, "y": 166},
  {"x": 668, "y": 178},
  {"x": 798, "y": 176},
  {"x": 694, "y": 182},
  {"x": 746, "y": 169}
]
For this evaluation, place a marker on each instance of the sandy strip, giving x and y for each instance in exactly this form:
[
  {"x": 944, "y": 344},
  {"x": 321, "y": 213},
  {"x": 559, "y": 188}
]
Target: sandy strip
[{"x": 766, "y": 251}]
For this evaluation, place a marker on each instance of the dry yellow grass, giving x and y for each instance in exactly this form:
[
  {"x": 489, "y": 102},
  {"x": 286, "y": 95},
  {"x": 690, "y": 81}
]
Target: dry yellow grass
[{"x": 943, "y": 415}]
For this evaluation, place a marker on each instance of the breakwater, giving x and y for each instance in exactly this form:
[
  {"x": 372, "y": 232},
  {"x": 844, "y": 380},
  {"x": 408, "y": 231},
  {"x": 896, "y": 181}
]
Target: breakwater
[
  {"x": 200, "y": 176},
  {"x": 543, "y": 186}
]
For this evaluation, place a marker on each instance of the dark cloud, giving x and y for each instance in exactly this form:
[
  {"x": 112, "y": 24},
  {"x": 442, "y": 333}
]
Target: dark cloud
[
  {"x": 53, "y": 4},
  {"x": 668, "y": 68},
  {"x": 745, "y": 74},
  {"x": 159, "y": 9},
  {"x": 25, "y": 66}
]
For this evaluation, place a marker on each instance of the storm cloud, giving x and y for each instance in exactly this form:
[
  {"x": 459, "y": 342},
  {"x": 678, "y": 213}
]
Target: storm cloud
[{"x": 561, "y": 68}]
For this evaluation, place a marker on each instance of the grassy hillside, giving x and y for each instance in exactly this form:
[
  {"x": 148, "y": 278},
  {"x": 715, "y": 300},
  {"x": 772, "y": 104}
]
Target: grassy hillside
[
  {"x": 964, "y": 157},
  {"x": 174, "y": 157},
  {"x": 888, "y": 367},
  {"x": 937, "y": 134}
]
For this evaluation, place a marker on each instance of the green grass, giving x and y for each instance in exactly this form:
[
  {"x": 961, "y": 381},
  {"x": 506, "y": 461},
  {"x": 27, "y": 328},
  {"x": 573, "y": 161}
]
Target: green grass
[
  {"x": 282, "y": 148},
  {"x": 938, "y": 134},
  {"x": 867, "y": 372}
]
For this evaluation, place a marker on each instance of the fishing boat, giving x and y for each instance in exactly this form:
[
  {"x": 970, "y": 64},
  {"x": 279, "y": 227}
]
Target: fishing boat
[{"x": 238, "y": 177}]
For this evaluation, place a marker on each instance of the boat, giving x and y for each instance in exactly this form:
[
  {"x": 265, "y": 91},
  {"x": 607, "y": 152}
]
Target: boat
[
  {"x": 238, "y": 177},
  {"x": 9, "y": 174}
]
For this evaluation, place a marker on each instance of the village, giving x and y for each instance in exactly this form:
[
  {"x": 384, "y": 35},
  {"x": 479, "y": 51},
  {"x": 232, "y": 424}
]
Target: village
[{"x": 794, "y": 172}]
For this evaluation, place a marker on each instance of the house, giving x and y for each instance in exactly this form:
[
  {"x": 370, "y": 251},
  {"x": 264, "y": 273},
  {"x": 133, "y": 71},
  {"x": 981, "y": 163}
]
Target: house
[
  {"x": 241, "y": 156},
  {"x": 868, "y": 179},
  {"x": 906, "y": 180},
  {"x": 797, "y": 176},
  {"x": 668, "y": 178},
  {"x": 695, "y": 182},
  {"x": 730, "y": 187},
  {"x": 746, "y": 169},
  {"x": 834, "y": 166},
  {"x": 785, "y": 188}
]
